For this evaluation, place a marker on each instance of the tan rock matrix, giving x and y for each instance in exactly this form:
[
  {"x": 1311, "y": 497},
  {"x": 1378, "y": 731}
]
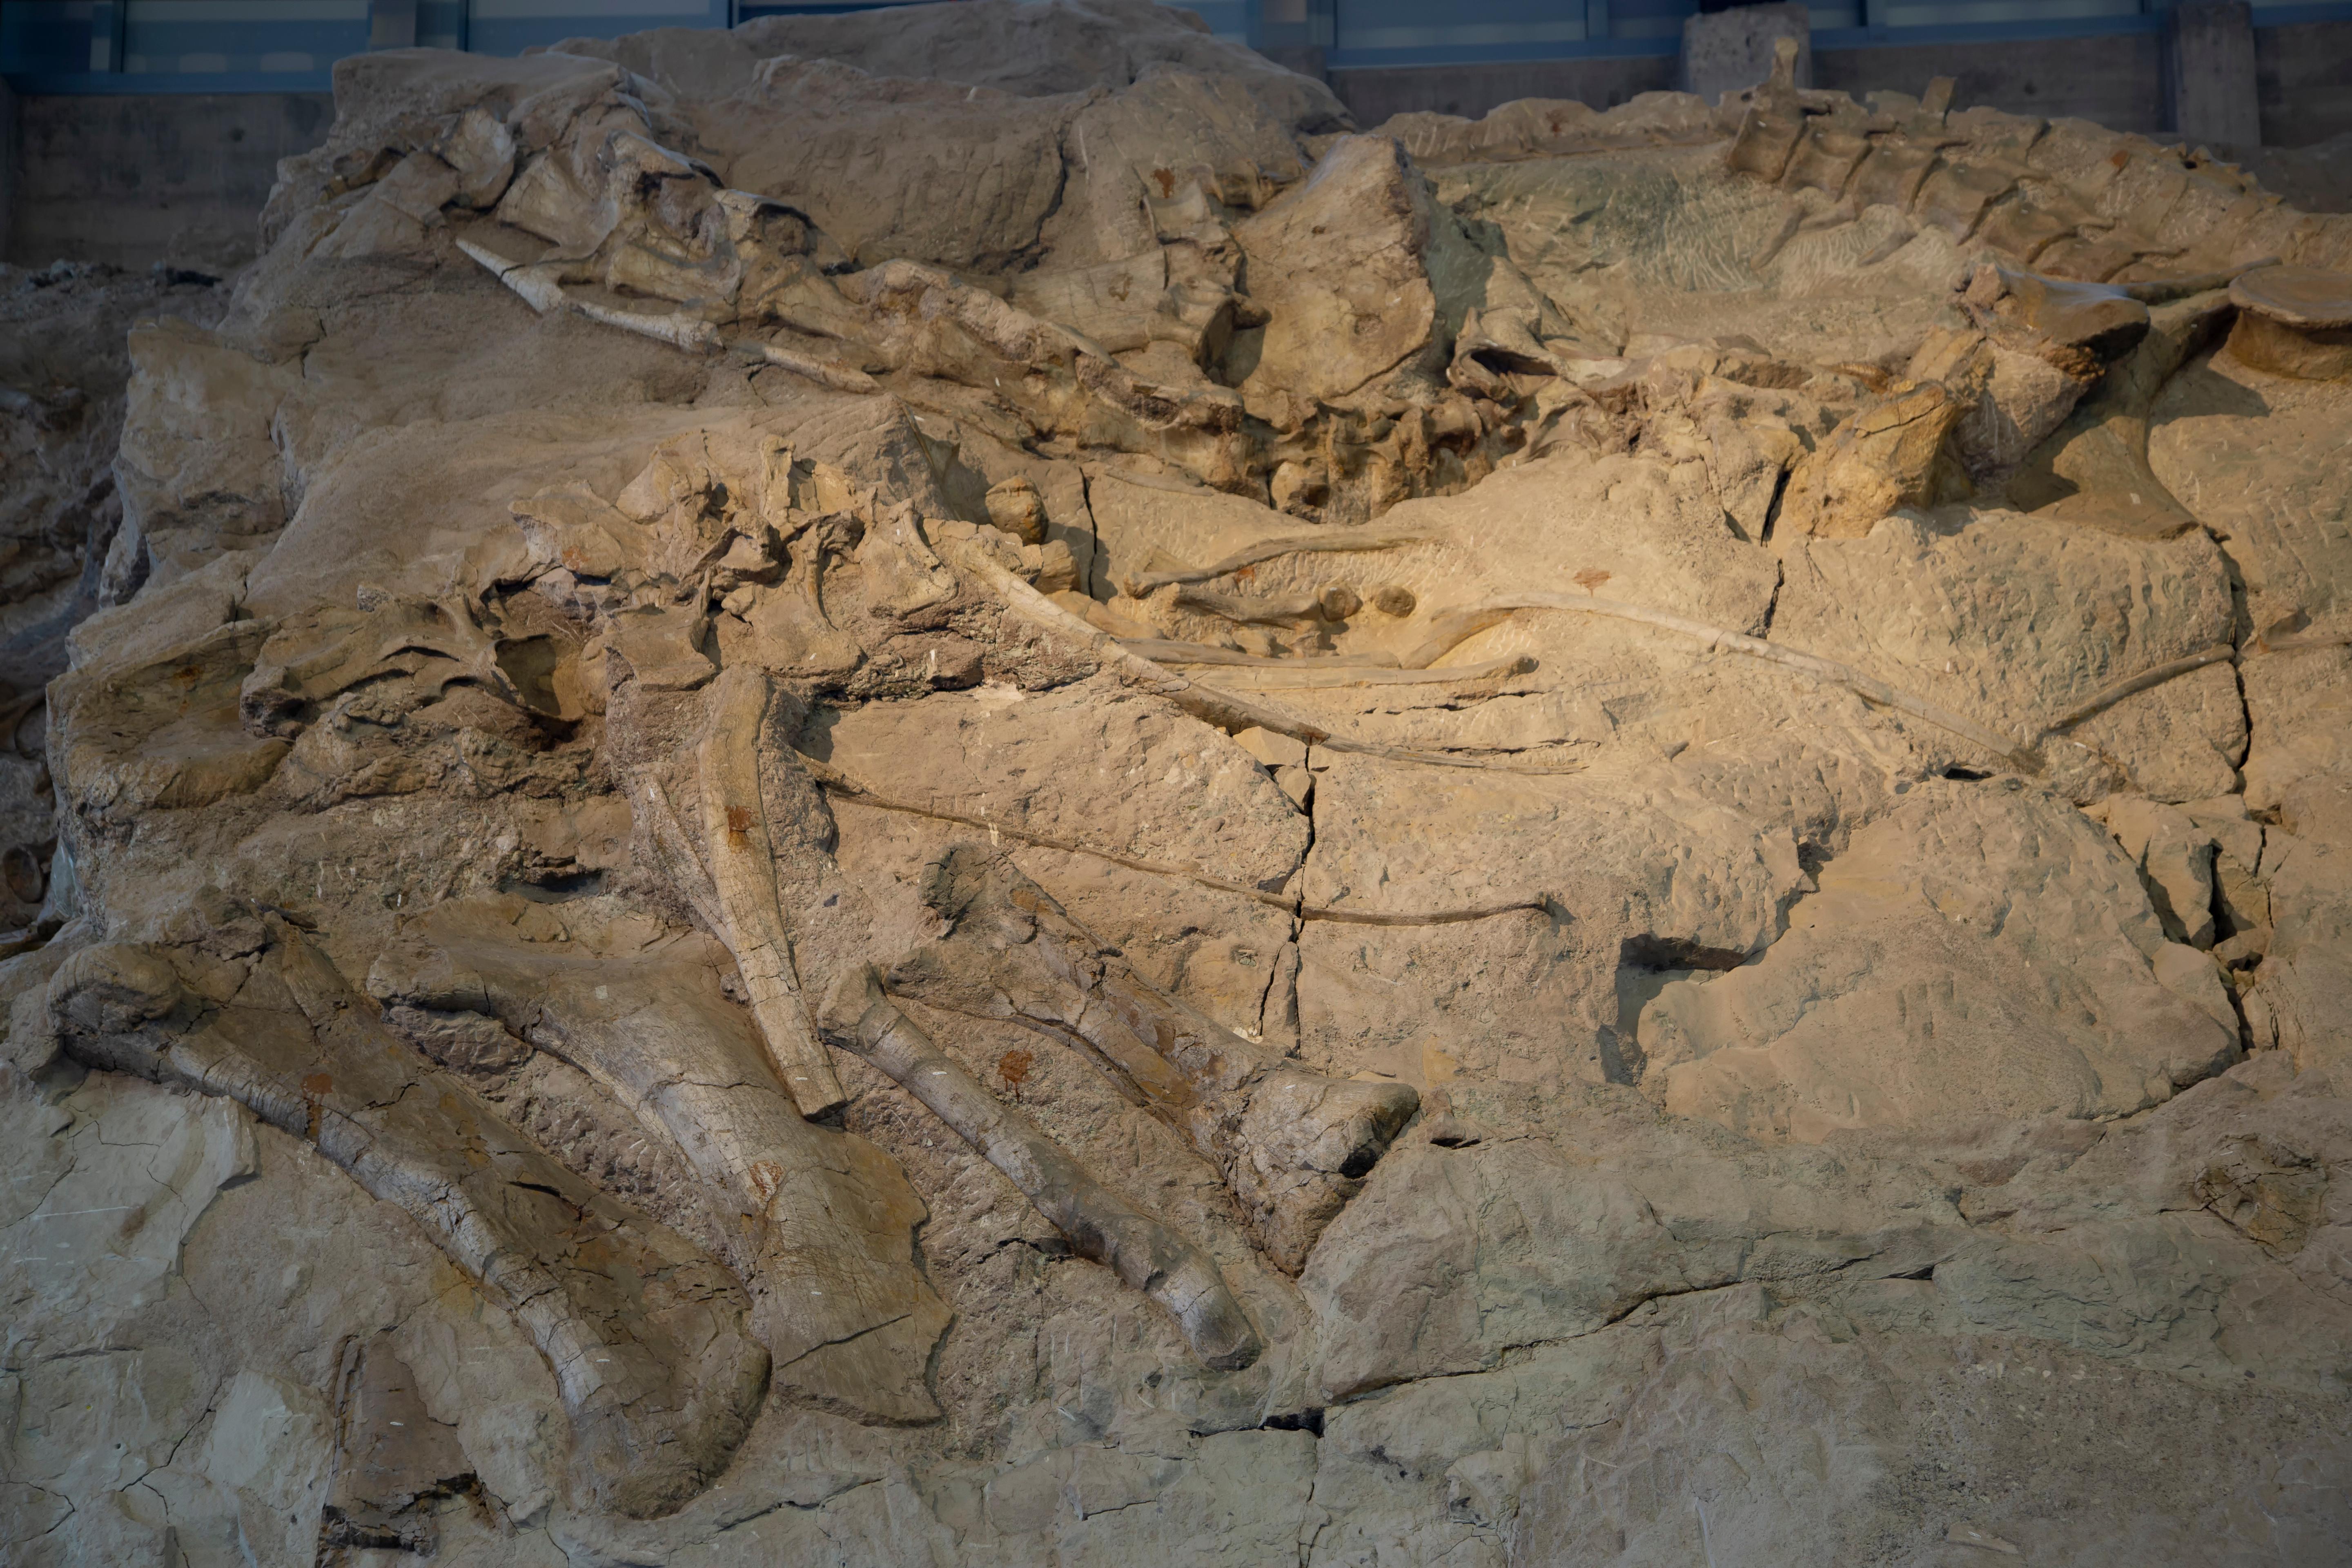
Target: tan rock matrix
[{"x": 946, "y": 787}]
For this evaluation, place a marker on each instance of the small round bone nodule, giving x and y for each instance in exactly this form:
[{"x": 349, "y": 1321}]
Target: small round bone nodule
[{"x": 2294, "y": 320}]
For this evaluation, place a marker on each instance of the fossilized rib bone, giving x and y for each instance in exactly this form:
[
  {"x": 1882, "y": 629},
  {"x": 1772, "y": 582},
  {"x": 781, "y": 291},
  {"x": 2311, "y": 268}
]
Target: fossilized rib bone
[
  {"x": 717, "y": 845},
  {"x": 1224, "y": 709},
  {"x": 1168, "y": 650},
  {"x": 1293, "y": 1145},
  {"x": 742, "y": 867},
  {"x": 841, "y": 786},
  {"x": 837, "y": 1297},
  {"x": 1303, "y": 674},
  {"x": 643, "y": 1331},
  {"x": 1101, "y": 1225},
  {"x": 2109, "y": 695},
  {"x": 1328, "y": 540},
  {"x": 1451, "y": 629}
]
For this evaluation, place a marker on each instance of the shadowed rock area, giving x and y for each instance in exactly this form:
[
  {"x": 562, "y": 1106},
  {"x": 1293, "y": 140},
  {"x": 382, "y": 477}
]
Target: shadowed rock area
[{"x": 951, "y": 788}]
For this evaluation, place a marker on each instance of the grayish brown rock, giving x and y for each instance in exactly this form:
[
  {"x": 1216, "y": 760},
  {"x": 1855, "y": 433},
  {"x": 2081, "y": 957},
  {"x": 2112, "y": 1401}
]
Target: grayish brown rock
[
  {"x": 2294, "y": 320},
  {"x": 1614, "y": 836}
]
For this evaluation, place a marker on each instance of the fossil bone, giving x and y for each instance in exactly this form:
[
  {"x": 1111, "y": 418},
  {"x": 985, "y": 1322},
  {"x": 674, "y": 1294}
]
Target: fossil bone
[
  {"x": 2295, "y": 320},
  {"x": 595, "y": 659},
  {"x": 1454, "y": 627},
  {"x": 1292, "y": 1144},
  {"x": 644, "y": 1333},
  {"x": 838, "y": 1299},
  {"x": 715, "y": 834},
  {"x": 1101, "y": 1225},
  {"x": 2095, "y": 469}
]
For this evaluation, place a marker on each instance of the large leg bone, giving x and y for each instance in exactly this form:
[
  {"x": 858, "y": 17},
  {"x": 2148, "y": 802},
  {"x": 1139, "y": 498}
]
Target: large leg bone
[
  {"x": 743, "y": 867},
  {"x": 837, "y": 1297},
  {"x": 1292, "y": 1144},
  {"x": 716, "y": 843},
  {"x": 1101, "y": 1225},
  {"x": 642, "y": 1332}
]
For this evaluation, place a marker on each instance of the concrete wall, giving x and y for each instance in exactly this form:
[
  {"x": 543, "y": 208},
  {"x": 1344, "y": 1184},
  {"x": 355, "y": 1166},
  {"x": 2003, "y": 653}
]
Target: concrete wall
[
  {"x": 1371, "y": 96},
  {"x": 2303, "y": 81},
  {"x": 2118, "y": 80},
  {"x": 2303, "y": 75},
  {"x": 136, "y": 179},
  {"x": 8, "y": 163}
]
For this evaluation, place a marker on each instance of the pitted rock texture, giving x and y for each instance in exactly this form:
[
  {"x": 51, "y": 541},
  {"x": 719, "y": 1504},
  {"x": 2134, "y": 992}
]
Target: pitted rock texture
[{"x": 949, "y": 787}]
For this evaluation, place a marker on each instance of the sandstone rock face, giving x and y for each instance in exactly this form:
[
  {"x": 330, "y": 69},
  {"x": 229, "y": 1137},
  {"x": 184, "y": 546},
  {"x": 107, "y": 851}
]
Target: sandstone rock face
[{"x": 949, "y": 787}]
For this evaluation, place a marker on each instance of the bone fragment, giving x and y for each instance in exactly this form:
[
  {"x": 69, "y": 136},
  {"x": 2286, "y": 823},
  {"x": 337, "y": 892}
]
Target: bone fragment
[
  {"x": 825, "y": 372},
  {"x": 1328, "y": 540},
  {"x": 2109, "y": 696},
  {"x": 1332, "y": 604},
  {"x": 2095, "y": 469},
  {"x": 1228, "y": 712},
  {"x": 1319, "y": 675},
  {"x": 536, "y": 283},
  {"x": 2295, "y": 321},
  {"x": 676, "y": 329},
  {"x": 837, "y": 1297},
  {"x": 2164, "y": 290},
  {"x": 2297, "y": 644},
  {"x": 1101, "y": 1225},
  {"x": 1163, "y": 650},
  {"x": 1291, "y": 1144},
  {"x": 299, "y": 667},
  {"x": 1452, "y": 628},
  {"x": 742, "y": 863},
  {"x": 840, "y": 785},
  {"x": 642, "y": 1332}
]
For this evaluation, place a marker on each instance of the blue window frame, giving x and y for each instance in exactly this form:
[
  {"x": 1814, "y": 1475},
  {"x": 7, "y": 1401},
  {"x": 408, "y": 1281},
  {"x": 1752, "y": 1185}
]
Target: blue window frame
[{"x": 228, "y": 46}]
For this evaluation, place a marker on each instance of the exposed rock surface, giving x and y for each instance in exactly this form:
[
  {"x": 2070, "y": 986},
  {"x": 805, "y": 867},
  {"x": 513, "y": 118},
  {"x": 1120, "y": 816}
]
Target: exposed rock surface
[{"x": 948, "y": 787}]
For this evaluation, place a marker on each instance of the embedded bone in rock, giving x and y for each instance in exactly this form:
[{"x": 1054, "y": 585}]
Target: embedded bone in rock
[
  {"x": 643, "y": 1331},
  {"x": 1292, "y": 1144},
  {"x": 838, "y": 1299},
  {"x": 1606, "y": 835},
  {"x": 392, "y": 1461},
  {"x": 722, "y": 842},
  {"x": 2095, "y": 469},
  {"x": 1141, "y": 1252}
]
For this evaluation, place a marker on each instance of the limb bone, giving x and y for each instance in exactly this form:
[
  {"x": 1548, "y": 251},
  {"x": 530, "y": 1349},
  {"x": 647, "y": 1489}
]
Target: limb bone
[
  {"x": 1101, "y": 1225},
  {"x": 642, "y": 1332},
  {"x": 722, "y": 851},
  {"x": 1291, "y": 1144},
  {"x": 837, "y": 1298}
]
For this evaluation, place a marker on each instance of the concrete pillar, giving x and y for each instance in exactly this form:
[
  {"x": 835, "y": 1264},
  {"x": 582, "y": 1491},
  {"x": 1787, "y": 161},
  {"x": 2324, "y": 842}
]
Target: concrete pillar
[
  {"x": 108, "y": 25},
  {"x": 2209, "y": 72},
  {"x": 391, "y": 24},
  {"x": 1730, "y": 52},
  {"x": 10, "y": 156},
  {"x": 1296, "y": 34}
]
